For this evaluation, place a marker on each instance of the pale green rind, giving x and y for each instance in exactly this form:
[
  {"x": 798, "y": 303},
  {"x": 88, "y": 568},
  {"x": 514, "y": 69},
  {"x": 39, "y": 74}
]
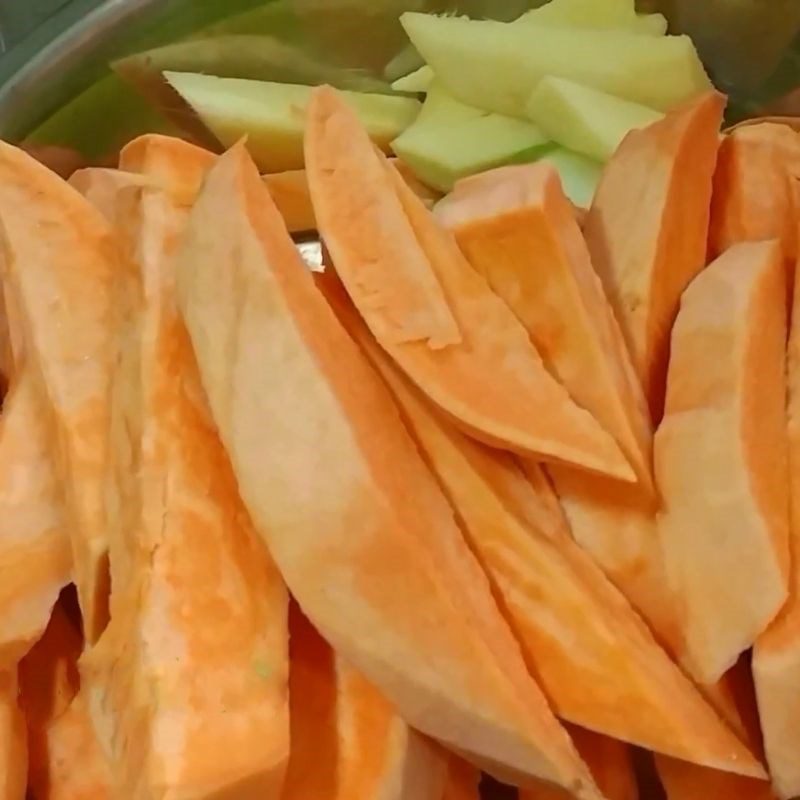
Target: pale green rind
[{"x": 586, "y": 120}]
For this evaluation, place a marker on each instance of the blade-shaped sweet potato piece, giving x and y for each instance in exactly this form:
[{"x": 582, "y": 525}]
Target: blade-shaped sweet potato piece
[
  {"x": 522, "y": 236},
  {"x": 347, "y": 740},
  {"x": 492, "y": 380},
  {"x": 13, "y": 740},
  {"x": 194, "y": 662},
  {"x": 389, "y": 583},
  {"x": 753, "y": 197},
  {"x": 463, "y": 781},
  {"x": 560, "y": 605},
  {"x": 776, "y": 654},
  {"x": 721, "y": 457},
  {"x": 647, "y": 229},
  {"x": 35, "y": 557},
  {"x": 611, "y": 763},
  {"x": 101, "y": 186},
  {"x": 65, "y": 760},
  {"x": 60, "y": 262},
  {"x": 399, "y": 294}
]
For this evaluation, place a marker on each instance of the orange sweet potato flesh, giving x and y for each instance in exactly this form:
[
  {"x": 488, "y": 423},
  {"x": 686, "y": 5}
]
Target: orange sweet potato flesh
[
  {"x": 560, "y": 605},
  {"x": 65, "y": 761},
  {"x": 491, "y": 380},
  {"x": 721, "y": 457},
  {"x": 389, "y": 583},
  {"x": 753, "y": 196},
  {"x": 347, "y": 740},
  {"x": 197, "y": 602},
  {"x": 522, "y": 236},
  {"x": 611, "y": 763},
  {"x": 647, "y": 229},
  {"x": 291, "y": 195},
  {"x": 13, "y": 740},
  {"x": 776, "y": 654},
  {"x": 61, "y": 284},
  {"x": 683, "y": 781},
  {"x": 463, "y": 781},
  {"x": 35, "y": 557}
]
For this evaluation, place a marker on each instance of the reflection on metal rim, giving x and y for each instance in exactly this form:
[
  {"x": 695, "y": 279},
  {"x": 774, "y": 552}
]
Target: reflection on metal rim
[{"x": 22, "y": 77}]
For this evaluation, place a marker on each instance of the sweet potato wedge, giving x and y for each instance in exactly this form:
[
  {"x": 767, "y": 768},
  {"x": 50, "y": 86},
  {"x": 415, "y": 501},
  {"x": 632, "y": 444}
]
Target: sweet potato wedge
[
  {"x": 61, "y": 284},
  {"x": 721, "y": 457},
  {"x": 776, "y": 654},
  {"x": 611, "y": 763},
  {"x": 347, "y": 740},
  {"x": 753, "y": 197},
  {"x": 35, "y": 557},
  {"x": 197, "y": 602},
  {"x": 13, "y": 741},
  {"x": 522, "y": 236},
  {"x": 389, "y": 583},
  {"x": 647, "y": 229},
  {"x": 489, "y": 378},
  {"x": 558, "y": 602}
]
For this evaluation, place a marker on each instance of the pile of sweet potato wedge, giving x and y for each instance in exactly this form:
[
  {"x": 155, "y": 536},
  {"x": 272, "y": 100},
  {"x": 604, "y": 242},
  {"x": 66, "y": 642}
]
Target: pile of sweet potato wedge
[{"x": 505, "y": 488}]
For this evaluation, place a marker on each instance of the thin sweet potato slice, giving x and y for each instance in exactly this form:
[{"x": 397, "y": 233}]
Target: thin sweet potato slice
[
  {"x": 347, "y": 740},
  {"x": 463, "y": 781},
  {"x": 559, "y": 604},
  {"x": 721, "y": 457},
  {"x": 611, "y": 763},
  {"x": 753, "y": 195},
  {"x": 776, "y": 654},
  {"x": 492, "y": 380},
  {"x": 389, "y": 583},
  {"x": 13, "y": 740},
  {"x": 61, "y": 284},
  {"x": 647, "y": 229},
  {"x": 522, "y": 236},
  {"x": 35, "y": 557},
  {"x": 197, "y": 601},
  {"x": 65, "y": 760}
]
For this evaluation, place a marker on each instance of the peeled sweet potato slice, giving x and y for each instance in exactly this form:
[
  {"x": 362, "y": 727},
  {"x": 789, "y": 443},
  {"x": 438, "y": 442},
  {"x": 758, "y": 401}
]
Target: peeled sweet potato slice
[
  {"x": 65, "y": 761},
  {"x": 389, "y": 583},
  {"x": 347, "y": 740},
  {"x": 35, "y": 557},
  {"x": 522, "y": 236},
  {"x": 647, "y": 229},
  {"x": 463, "y": 781},
  {"x": 611, "y": 763},
  {"x": 197, "y": 601},
  {"x": 13, "y": 740},
  {"x": 721, "y": 457},
  {"x": 491, "y": 380},
  {"x": 776, "y": 654},
  {"x": 753, "y": 196},
  {"x": 561, "y": 606},
  {"x": 61, "y": 284}
]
